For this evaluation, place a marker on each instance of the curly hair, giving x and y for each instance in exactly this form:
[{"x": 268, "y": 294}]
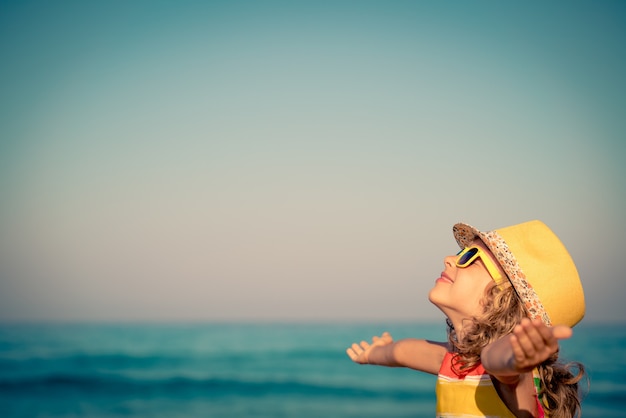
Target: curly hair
[{"x": 503, "y": 310}]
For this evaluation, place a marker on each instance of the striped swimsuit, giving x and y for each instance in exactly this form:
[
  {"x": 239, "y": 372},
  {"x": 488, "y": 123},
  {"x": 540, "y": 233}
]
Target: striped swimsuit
[{"x": 471, "y": 394}]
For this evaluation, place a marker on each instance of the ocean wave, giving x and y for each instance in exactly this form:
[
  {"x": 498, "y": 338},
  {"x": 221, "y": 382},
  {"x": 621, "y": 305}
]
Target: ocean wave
[
  {"x": 62, "y": 384},
  {"x": 149, "y": 358}
]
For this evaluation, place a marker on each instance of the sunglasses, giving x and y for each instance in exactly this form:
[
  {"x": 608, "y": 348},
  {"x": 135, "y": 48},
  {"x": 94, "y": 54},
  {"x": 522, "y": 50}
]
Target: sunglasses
[{"x": 468, "y": 255}]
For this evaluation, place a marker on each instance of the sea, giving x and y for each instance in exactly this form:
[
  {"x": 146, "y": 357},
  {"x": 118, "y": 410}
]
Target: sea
[{"x": 260, "y": 370}]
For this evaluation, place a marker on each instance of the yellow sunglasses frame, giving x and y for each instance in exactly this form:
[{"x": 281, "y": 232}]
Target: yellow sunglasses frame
[{"x": 490, "y": 265}]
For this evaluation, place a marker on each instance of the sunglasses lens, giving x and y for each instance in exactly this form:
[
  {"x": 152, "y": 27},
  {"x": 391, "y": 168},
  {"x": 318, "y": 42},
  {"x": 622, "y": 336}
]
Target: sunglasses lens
[{"x": 467, "y": 256}]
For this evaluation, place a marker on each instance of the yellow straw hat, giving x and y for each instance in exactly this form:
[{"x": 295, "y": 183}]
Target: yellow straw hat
[{"x": 537, "y": 265}]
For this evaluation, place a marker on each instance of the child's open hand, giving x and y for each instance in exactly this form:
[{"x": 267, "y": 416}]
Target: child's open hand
[
  {"x": 359, "y": 353},
  {"x": 534, "y": 342}
]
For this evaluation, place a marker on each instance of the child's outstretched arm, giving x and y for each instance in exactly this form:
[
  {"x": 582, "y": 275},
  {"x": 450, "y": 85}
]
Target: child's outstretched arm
[
  {"x": 531, "y": 343},
  {"x": 422, "y": 355}
]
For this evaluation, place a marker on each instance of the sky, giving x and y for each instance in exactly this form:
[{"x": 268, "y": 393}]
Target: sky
[{"x": 299, "y": 161}]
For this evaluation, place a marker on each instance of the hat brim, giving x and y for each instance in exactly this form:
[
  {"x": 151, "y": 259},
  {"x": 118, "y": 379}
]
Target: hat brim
[{"x": 465, "y": 234}]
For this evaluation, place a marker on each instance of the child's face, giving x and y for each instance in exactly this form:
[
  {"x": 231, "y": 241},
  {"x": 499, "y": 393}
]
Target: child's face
[{"x": 459, "y": 291}]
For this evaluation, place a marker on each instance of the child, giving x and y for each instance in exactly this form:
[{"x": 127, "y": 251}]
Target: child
[{"x": 509, "y": 296}]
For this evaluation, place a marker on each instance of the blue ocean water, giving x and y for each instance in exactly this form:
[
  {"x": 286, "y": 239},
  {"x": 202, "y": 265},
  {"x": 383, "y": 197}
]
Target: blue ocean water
[{"x": 244, "y": 370}]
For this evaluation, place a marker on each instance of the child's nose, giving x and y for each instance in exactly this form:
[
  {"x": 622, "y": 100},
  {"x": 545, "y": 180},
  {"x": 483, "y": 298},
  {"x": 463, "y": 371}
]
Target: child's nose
[{"x": 450, "y": 260}]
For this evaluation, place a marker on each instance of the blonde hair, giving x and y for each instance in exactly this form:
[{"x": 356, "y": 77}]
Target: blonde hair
[{"x": 503, "y": 310}]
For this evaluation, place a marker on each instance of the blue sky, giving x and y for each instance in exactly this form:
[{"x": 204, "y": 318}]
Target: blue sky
[{"x": 298, "y": 160}]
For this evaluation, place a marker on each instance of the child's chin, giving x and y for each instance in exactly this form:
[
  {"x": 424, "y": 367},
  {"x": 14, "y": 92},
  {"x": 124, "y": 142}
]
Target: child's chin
[{"x": 434, "y": 297}]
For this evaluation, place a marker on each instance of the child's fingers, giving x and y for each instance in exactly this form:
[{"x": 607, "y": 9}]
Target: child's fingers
[
  {"x": 562, "y": 332},
  {"x": 356, "y": 350},
  {"x": 526, "y": 339},
  {"x": 551, "y": 335},
  {"x": 538, "y": 333},
  {"x": 542, "y": 329},
  {"x": 385, "y": 338},
  {"x": 518, "y": 352}
]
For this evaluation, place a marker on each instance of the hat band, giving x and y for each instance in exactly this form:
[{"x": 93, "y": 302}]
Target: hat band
[{"x": 511, "y": 267}]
